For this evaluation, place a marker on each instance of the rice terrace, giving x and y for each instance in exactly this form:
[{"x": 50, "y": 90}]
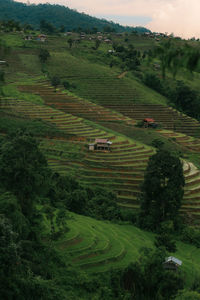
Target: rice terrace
[{"x": 87, "y": 118}]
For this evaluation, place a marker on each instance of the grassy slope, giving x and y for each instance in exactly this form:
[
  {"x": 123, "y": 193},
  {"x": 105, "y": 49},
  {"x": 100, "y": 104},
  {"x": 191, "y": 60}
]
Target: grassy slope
[
  {"x": 106, "y": 241},
  {"x": 87, "y": 69},
  {"x": 79, "y": 243}
]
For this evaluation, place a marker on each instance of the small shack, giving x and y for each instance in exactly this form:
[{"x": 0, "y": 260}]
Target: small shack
[
  {"x": 172, "y": 263},
  {"x": 3, "y": 62},
  {"x": 100, "y": 144},
  {"x": 41, "y": 38},
  {"x": 149, "y": 122}
]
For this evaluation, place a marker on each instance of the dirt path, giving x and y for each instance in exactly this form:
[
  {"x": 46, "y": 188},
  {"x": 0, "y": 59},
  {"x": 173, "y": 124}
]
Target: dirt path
[{"x": 122, "y": 75}]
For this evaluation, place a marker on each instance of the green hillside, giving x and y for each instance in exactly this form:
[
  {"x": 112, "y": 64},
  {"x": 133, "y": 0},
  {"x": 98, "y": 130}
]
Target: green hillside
[{"x": 81, "y": 225}]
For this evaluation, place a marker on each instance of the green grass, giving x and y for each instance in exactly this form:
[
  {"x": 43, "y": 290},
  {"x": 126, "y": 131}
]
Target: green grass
[
  {"x": 12, "y": 92},
  {"x": 9, "y": 124},
  {"x": 126, "y": 238}
]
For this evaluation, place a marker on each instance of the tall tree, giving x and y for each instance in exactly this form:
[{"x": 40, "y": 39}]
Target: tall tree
[
  {"x": 43, "y": 55},
  {"x": 162, "y": 190},
  {"x": 23, "y": 169}
]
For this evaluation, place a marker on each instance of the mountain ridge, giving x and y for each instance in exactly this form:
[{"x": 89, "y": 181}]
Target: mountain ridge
[{"x": 58, "y": 16}]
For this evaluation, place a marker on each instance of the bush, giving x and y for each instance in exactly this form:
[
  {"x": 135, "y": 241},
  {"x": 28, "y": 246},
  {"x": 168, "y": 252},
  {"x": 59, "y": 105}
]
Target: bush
[
  {"x": 191, "y": 236},
  {"x": 153, "y": 81},
  {"x": 67, "y": 85}
]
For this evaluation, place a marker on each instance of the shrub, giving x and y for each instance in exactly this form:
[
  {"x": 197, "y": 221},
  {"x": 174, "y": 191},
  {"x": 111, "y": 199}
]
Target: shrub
[{"x": 153, "y": 81}]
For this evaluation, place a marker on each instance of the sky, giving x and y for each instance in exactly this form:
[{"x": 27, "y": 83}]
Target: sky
[{"x": 180, "y": 17}]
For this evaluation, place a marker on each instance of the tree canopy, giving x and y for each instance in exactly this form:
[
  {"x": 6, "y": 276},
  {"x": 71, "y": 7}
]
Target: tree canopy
[
  {"x": 23, "y": 169},
  {"x": 162, "y": 190}
]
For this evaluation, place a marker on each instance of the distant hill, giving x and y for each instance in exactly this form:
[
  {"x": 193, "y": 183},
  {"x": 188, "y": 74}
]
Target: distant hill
[{"x": 58, "y": 16}]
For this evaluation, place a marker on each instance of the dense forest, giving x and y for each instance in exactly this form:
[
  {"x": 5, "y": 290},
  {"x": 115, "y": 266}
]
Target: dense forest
[{"x": 58, "y": 16}]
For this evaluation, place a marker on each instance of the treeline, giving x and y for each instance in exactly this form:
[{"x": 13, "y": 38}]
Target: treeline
[
  {"x": 59, "y": 16},
  {"x": 170, "y": 57},
  {"x": 180, "y": 95}
]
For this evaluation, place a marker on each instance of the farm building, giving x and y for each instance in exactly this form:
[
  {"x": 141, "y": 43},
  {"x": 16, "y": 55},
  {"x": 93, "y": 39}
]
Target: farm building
[
  {"x": 100, "y": 144},
  {"x": 41, "y": 37},
  {"x": 3, "y": 62},
  {"x": 172, "y": 263},
  {"x": 149, "y": 122}
]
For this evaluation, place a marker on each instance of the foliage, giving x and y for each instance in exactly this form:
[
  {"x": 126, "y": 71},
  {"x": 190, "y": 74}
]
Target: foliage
[
  {"x": 23, "y": 170},
  {"x": 9, "y": 257},
  {"x": 10, "y": 207},
  {"x": 162, "y": 190},
  {"x": 43, "y": 55},
  {"x": 97, "y": 44},
  {"x": 55, "y": 81},
  {"x": 147, "y": 279},
  {"x": 157, "y": 143},
  {"x": 186, "y": 99},
  {"x": 70, "y": 42},
  {"x": 129, "y": 56},
  {"x": 191, "y": 235},
  {"x": 91, "y": 201},
  {"x": 46, "y": 27},
  {"x": 2, "y": 76},
  {"x": 68, "y": 86},
  {"x": 188, "y": 295},
  {"x": 175, "y": 57},
  {"x": 179, "y": 94},
  {"x": 165, "y": 240},
  {"x": 58, "y": 16},
  {"x": 153, "y": 81},
  {"x": 102, "y": 204}
]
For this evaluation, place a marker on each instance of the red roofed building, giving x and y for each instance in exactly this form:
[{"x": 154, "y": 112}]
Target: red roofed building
[
  {"x": 149, "y": 122},
  {"x": 100, "y": 144}
]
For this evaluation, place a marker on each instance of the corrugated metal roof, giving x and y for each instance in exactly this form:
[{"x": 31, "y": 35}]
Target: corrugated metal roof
[{"x": 173, "y": 259}]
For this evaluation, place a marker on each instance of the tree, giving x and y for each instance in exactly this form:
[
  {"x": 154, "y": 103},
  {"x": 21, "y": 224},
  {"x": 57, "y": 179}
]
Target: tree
[
  {"x": 43, "y": 55},
  {"x": 9, "y": 259},
  {"x": 2, "y": 76},
  {"x": 23, "y": 170},
  {"x": 70, "y": 42},
  {"x": 186, "y": 99},
  {"x": 97, "y": 44},
  {"x": 62, "y": 28},
  {"x": 165, "y": 240},
  {"x": 2, "y": 80},
  {"x": 147, "y": 279},
  {"x": 47, "y": 27},
  {"x": 162, "y": 190},
  {"x": 55, "y": 81}
]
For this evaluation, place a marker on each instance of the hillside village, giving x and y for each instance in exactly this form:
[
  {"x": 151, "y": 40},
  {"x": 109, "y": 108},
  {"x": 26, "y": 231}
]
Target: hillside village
[{"x": 82, "y": 117}]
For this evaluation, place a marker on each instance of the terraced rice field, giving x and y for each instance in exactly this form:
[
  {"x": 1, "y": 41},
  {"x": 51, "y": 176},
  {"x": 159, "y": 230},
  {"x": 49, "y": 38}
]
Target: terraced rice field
[
  {"x": 169, "y": 118},
  {"x": 96, "y": 246},
  {"x": 74, "y": 105},
  {"x": 187, "y": 142},
  {"x": 120, "y": 170}
]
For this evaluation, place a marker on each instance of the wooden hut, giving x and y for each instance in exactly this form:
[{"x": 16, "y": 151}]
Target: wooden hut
[
  {"x": 100, "y": 144},
  {"x": 172, "y": 263}
]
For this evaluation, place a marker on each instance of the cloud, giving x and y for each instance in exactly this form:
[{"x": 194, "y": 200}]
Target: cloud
[{"x": 178, "y": 16}]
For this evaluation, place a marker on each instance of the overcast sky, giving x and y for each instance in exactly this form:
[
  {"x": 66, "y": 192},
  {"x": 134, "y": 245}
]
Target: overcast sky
[{"x": 181, "y": 17}]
